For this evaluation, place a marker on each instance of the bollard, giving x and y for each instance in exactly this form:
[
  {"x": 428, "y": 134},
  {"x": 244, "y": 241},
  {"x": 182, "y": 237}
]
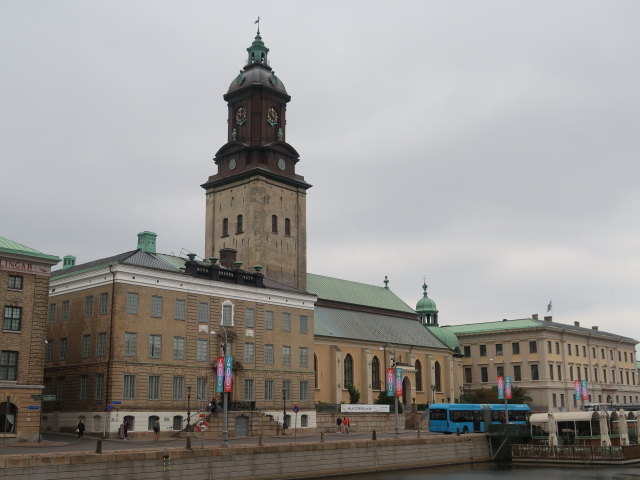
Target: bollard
[
  {"x": 321, "y": 437},
  {"x": 373, "y": 435},
  {"x": 418, "y": 433},
  {"x": 188, "y": 442},
  {"x": 260, "y": 440},
  {"x": 99, "y": 446}
]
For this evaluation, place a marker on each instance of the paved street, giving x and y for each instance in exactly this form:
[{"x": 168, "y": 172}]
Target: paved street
[{"x": 53, "y": 442}]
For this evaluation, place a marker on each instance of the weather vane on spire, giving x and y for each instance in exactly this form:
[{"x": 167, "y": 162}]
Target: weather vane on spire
[{"x": 258, "y": 22}]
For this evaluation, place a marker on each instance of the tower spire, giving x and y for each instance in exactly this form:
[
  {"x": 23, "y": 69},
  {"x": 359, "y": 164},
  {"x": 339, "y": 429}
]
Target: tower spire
[{"x": 258, "y": 22}]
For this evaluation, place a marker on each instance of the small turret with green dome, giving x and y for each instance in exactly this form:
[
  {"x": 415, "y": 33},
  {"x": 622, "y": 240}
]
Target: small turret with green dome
[{"x": 426, "y": 309}]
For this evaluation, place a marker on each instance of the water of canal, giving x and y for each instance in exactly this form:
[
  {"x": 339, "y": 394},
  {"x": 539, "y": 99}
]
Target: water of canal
[{"x": 505, "y": 471}]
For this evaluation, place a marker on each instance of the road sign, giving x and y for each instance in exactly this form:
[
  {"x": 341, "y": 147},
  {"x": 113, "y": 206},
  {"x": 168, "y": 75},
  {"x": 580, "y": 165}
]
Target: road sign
[
  {"x": 108, "y": 408},
  {"x": 33, "y": 407},
  {"x": 202, "y": 415},
  {"x": 48, "y": 398},
  {"x": 296, "y": 408},
  {"x": 202, "y": 426},
  {"x": 116, "y": 402}
]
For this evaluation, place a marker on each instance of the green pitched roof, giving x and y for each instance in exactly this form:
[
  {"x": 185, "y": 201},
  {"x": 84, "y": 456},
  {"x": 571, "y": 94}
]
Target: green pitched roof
[
  {"x": 494, "y": 326},
  {"x": 9, "y": 246},
  {"x": 346, "y": 291},
  {"x": 445, "y": 335}
]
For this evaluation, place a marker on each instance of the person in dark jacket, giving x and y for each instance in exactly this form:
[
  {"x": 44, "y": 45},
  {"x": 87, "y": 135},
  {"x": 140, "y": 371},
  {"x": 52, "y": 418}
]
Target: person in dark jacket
[{"x": 80, "y": 429}]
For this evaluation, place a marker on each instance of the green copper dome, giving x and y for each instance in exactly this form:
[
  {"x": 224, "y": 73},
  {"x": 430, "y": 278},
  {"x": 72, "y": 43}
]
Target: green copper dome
[{"x": 425, "y": 304}]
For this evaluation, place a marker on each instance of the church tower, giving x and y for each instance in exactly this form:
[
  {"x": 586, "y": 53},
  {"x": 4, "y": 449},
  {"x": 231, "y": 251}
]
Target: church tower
[{"x": 256, "y": 202}]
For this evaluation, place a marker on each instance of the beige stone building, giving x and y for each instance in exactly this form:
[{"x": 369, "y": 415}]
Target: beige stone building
[
  {"x": 141, "y": 332},
  {"x": 24, "y": 283},
  {"x": 546, "y": 357}
]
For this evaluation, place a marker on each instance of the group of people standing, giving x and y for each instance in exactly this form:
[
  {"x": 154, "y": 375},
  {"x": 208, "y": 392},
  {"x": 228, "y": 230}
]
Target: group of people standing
[{"x": 342, "y": 425}]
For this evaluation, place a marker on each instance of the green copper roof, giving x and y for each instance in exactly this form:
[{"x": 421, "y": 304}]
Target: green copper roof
[
  {"x": 257, "y": 51},
  {"x": 494, "y": 326},
  {"x": 425, "y": 304},
  {"x": 9, "y": 246},
  {"x": 345, "y": 291},
  {"x": 445, "y": 336}
]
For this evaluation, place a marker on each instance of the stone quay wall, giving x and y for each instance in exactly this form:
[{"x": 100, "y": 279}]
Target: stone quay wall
[{"x": 283, "y": 461}]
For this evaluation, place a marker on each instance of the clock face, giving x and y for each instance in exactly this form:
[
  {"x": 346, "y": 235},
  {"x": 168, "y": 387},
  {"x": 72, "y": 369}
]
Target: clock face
[
  {"x": 281, "y": 164},
  {"x": 272, "y": 116},
  {"x": 232, "y": 164},
  {"x": 241, "y": 115}
]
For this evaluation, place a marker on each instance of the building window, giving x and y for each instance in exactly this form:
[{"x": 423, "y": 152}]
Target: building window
[
  {"x": 304, "y": 324},
  {"x": 268, "y": 390},
  {"x": 584, "y": 351},
  {"x": 562, "y": 400},
  {"x": 132, "y": 303},
  {"x": 484, "y": 374},
  {"x": 83, "y": 387},
  {"x": 375, "y": 373},
  {"x": 286, "y": 322},
  {"x": 12, "y": 318},
  {"x": 569, "y": 349},
  {"x": 517, "y": 373},
  {"x": 550, "y": 371},
  {"x": 60, "y": 389},
  {"x": 437, "y": 377},
  {"x": 304, "y": 388},
  {"x": 268, "y": 354},
  {"x": 88, "y": 306},
  {"x": 467, "y": 350},
  {"x": 180, "y": 309},
  {"x": 287, "y": 227},
  {"x": 286, "y": 356},
  {"x": 303, "y": 354},
  {"x": 602, "y": 353},
  {"x": 201, "y": 388},
  {"x": 178, "y": 388},
  {"x": 155, "y": 346},
  {"x": 595, "y": 374},
  {"x": 559, "y": 369},
  {"x": 129, "y": 387},
  {"x": 577, "y": 350},
  {"x": 156, "y": 306},
  {"x": 619, "y": 356},
  {"x": 130, "y": 344},
  {"x": 154, "y": 387},
  {"x": 500, "y": 371},
  {"x": 534, "y": 372},
  {"x": 304, "y": 420},
  {"x": 558, "y": 348},
  {"x": 483, "y": 350},
  {"x": 274, "y": 224},
  {"x": 533, "y": 346},
  {"x": 227, "y": 314},
  {"x": 15, "y": 282},
  {"x": 86, "y": 346},
  {"x": 202, "y": 350},
  {"x": 268, "y": 320},
  {"x": 593, "y": 352},
  {"x": 203, "y": 312},
  {"x": 8, "y": 365},
  {"x": 239, "y": 227},
  {"x": 104, "y": 300},
  {"x": 99, "y": 386},
  {"x": 101, "y": 346},
  {"x": 249, "y": 353},
  {"x": 571, "y": 372},
  {"x": 625, "y": 356},
  {"x": 348, "y": 370},
  {"x": 65, "y": 311},
  {"x": 468, "y": 375},
  {"x": 498, "y": 349},
  {"x": 249, "y": 318},
  {"x": 610, "y": 354},
  {"x": 48, "y": 351},
  {"x": 178, "y": 348},
  {"x": 249, "y": 394},
  {"x": 225, "y": 227},
  {"x": 52, "y": 313},
  {"x": 418, "y": 367},
  {"x": 515, "y": 348},
  {"x": 63, "y": 348},
  {"x": 286, "y": 386},
  {"x": 549, "y": 348},
  {"x": 555, "y": 400},
  {"x": 604, "y": 375}
]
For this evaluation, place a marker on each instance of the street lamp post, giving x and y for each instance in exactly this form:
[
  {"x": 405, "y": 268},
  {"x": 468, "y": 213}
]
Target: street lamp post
[
  {"x": 433, "y": 394},
  {"x": 284, "y": 409},
  {"x": 225, "y": 417},
  {"x": 188, "y": 408}
]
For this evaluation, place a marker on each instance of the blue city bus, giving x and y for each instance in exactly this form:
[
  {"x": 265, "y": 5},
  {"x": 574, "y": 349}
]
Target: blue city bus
[{"x": 472, "y": 417}]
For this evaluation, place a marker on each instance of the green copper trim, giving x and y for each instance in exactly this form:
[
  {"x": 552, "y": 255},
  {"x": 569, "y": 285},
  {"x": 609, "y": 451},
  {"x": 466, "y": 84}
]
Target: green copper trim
[
  {"x": 11, "y": 247},
  {"x": 257, "y": 52}
]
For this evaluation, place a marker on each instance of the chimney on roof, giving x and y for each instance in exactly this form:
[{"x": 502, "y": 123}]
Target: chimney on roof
[
  {"x": 147, "y": 242},
  {"x": 534, "y": 316},
  {"x": 504, "y": 319},
  {"x": 228, "y": 257},
  {"x": 548, "y": 319},
  {"x": 68, "y": 261},
  {"x": 595, "y": 327},
  {"x": 576, "y": 324}
]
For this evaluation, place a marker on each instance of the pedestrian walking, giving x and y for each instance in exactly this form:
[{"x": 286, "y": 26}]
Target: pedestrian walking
[
  {"x": 338, "y": 425},
  {"x": 346, "y": 424},
  {"x": 125, "y": 428},
  {"x": 156, "y": 430},
  {"x": 80, "y": 429}
]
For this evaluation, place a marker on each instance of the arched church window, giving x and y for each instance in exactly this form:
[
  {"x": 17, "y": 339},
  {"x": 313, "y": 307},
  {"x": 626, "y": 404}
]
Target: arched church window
[
  {"x": 418, "y": 376},
  {"x": 239, "y": 226},
  {"x": 287, "y": 227},
  {"x": 225, "y": 227},
  {"x": 375, "y": 374},
  {"x": 348, "y": 370},
  {"x": 436, "y": 374},
  {"x": 274, "y": 224}
]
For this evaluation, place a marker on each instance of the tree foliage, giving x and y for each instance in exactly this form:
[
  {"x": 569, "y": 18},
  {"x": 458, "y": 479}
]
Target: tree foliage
[{"x": 354, "y": 394}]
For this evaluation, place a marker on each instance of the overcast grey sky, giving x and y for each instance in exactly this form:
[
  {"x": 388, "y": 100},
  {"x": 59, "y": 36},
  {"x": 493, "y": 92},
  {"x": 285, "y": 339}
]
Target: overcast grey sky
[{"x": 491, "y": 146}]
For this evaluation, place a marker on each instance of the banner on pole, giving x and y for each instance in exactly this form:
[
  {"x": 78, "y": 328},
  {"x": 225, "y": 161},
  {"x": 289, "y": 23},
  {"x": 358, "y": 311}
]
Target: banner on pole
[
  {"x": 500, "y": 387},
  {"x": 578, "y": 388},
  {"x": 585, "y": 391},
  {"x": 228, "y": 369},
  {"x": 508, "y": 394},
  {"x": 220, "y": 375},
  {"x": 398, "y": 382},
  {"x": 391, "y": 381}
]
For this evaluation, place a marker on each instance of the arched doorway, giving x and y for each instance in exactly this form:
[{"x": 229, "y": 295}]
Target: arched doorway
[
  {"x": 8, "y": 418},
  {"x": 406, "y": 391}
]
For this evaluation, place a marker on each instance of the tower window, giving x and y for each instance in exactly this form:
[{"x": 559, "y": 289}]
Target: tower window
[
  {"x": 239, "y": 227},
  {"x": 274, "y": 224},
  {"x": 225, "y": 227},
  {"x": 287, "y": 227}
]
